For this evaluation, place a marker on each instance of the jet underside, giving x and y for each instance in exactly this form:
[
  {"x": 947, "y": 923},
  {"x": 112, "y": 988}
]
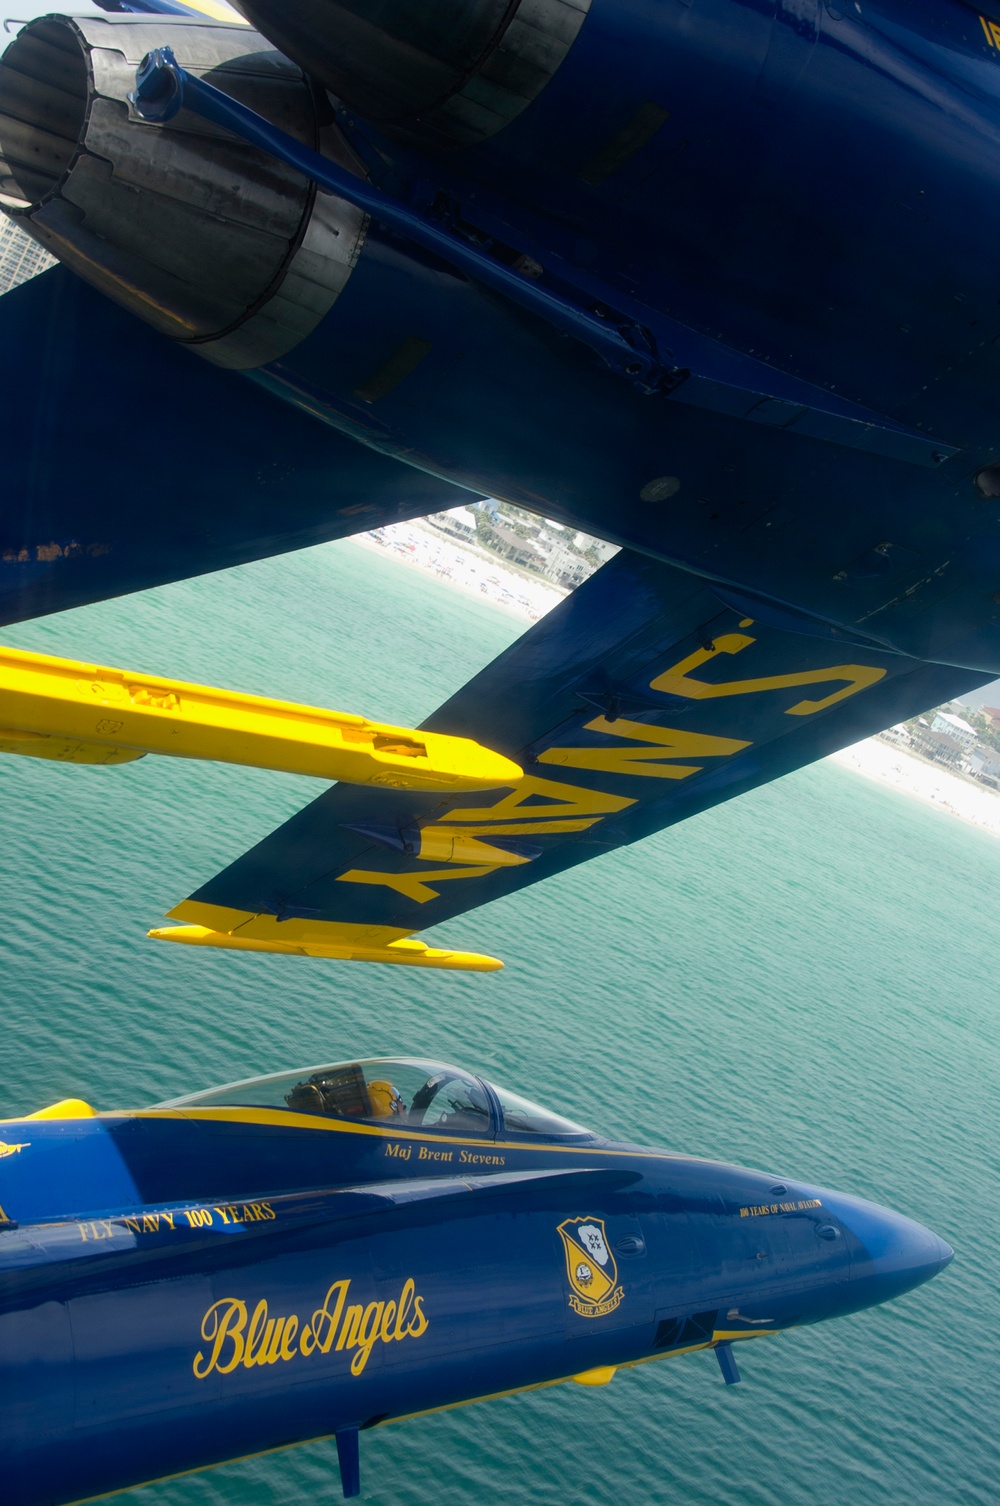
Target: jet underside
[{"x": 713, "y": 282}]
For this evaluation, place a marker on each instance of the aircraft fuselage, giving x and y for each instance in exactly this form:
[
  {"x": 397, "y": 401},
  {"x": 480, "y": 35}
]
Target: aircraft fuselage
[{"x": 183, "y": 1286}]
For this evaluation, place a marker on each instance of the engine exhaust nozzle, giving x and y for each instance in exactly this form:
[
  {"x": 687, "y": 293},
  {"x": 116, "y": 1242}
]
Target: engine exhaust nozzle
[{"x": 210, "y": 240}]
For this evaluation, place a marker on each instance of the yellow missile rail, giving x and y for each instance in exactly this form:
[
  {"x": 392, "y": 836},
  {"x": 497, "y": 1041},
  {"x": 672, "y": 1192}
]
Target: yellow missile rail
[
  {"x": 243, "y": 931},
  {"x": 72, "y": 712},
  {"x": 407, "y": 953}
]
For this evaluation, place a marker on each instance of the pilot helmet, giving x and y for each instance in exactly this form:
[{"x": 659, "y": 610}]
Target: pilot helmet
[{"x": 385, "y": 1100}]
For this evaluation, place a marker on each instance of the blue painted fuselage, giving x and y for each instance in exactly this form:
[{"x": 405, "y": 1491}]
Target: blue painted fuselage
[{"x": 179, "y": 1287}]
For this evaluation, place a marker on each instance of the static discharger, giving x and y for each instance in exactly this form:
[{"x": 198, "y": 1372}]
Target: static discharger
[{"x": 71, "y": 712}]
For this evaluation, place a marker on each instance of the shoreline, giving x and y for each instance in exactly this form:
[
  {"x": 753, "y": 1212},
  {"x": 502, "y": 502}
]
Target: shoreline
[
  {"x": 463, "y": 567},
  {"x": 929, "y": 783},
  {"x": 483, "y": 577}
]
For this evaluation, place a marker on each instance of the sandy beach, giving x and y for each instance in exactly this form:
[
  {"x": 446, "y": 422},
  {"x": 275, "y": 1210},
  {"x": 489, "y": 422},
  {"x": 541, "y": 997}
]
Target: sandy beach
[
  {"x": 930, "y": 783},
  {"x": 477, "y": 573},
  {"x": 468, "y": 569}
]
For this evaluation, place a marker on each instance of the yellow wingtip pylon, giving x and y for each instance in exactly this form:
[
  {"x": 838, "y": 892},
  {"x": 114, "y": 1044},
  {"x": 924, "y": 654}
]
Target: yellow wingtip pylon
[
  {"x": 405, "y": 952},
  {"x": 74, "y": 712}
]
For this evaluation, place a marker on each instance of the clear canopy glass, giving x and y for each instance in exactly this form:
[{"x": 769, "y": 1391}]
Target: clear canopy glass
[
  {"x": 523, "y": 1118},
  {"x": 385, "y": 1090},
  {"x": 392, "y": 1091}
]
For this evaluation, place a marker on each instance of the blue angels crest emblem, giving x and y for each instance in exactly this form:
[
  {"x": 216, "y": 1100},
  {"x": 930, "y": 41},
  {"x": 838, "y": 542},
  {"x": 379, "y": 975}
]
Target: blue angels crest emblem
[{"x": 590, "y": 1267}]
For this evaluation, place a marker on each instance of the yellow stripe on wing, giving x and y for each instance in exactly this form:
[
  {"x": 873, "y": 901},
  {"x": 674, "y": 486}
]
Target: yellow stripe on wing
[{"x": 217, "y": 11}]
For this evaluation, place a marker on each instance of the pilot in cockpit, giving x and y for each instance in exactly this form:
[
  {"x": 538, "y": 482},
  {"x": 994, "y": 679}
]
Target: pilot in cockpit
[
  {"x": 344, "y": 1093},
  {"x": 385, "y": 1101}
]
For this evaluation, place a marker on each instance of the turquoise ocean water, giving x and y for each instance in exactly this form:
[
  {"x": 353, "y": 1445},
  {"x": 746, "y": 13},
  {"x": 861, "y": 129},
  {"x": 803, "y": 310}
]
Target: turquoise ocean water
[{"x": 805, "y": 980}]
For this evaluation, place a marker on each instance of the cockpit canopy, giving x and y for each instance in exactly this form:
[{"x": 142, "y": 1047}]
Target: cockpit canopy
[{"x": 396, "y": 1092}]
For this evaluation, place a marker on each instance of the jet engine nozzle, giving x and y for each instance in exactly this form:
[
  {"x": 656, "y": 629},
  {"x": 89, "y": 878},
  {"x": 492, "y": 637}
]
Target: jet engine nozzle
[
  {"x": 208, "y": 239},
  {"x": 447, "y": 74}
]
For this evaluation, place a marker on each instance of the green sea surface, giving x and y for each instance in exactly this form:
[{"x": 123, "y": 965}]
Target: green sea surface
[{"x": 804, "y": 980}]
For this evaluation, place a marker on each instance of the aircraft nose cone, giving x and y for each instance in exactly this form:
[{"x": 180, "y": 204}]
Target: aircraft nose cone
[{"x": 896, "y": 1253}]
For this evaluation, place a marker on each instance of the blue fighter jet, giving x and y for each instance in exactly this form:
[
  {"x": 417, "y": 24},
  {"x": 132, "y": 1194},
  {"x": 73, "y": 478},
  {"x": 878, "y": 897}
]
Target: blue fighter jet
[
  {"x": 319, "y": 1252},
  {"x": 713, "y": 281}
]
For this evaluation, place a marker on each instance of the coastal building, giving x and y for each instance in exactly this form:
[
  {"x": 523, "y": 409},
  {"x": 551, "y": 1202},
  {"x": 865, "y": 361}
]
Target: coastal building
[
  {"x": 603, "y": 550},
  {"x": 943, "y": 737},
  {"x": 984, "y": 766},
  {"x": 20, "y": 256},
  {"x": 541, "y": 546},
  {"x": 566, "y": 567},
  {"x": 953, "y": 727},
  {"x": 514, "y": 547},
  {"x": 459, "y": 522}
]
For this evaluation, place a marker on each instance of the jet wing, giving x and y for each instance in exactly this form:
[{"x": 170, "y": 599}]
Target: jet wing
[
  {"x": 128, "y": 461},
  {"x": 210, "y": 8},
  {"x": 641, "y": 700}
]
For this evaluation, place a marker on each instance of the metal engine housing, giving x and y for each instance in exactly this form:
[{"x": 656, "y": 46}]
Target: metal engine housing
[
  {"x": 447, "y": 74},
  {"x": 207, "y": 239}
]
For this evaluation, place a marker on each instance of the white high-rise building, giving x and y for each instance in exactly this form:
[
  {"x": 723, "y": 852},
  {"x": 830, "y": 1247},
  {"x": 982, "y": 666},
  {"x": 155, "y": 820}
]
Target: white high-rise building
[{"x": 20, "y": 256}]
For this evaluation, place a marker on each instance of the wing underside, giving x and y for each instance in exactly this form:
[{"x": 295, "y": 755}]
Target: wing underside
[
  {"x": 129, "y": 462},
  {"x": 641, "y": 700}
]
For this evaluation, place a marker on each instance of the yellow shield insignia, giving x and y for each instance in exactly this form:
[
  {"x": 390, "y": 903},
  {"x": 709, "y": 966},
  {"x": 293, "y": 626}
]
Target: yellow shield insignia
[{"x": 590, "y": 1267}]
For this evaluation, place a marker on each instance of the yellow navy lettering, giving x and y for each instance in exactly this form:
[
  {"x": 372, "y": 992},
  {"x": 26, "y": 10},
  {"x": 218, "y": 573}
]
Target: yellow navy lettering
[
  {"x": 764, "y": 1210},
  {"x": 172, "y": 1220},
  {"x": 537, "y": 807},
  {"x": 562, "y": 801},
  {"x": 677, "y": 681},
  {"x": 992, "y": 31},
  {"x": 411, "y": 885},
  {"x": 645, "y": 756}
]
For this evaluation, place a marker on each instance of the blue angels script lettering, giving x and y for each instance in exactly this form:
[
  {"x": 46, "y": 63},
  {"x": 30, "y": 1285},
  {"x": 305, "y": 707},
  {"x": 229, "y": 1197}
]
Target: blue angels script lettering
[{"x": 236, "y": 1337}]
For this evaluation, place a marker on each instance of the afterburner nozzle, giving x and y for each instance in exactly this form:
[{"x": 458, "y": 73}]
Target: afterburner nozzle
[{"x": 72, "y": 712}]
